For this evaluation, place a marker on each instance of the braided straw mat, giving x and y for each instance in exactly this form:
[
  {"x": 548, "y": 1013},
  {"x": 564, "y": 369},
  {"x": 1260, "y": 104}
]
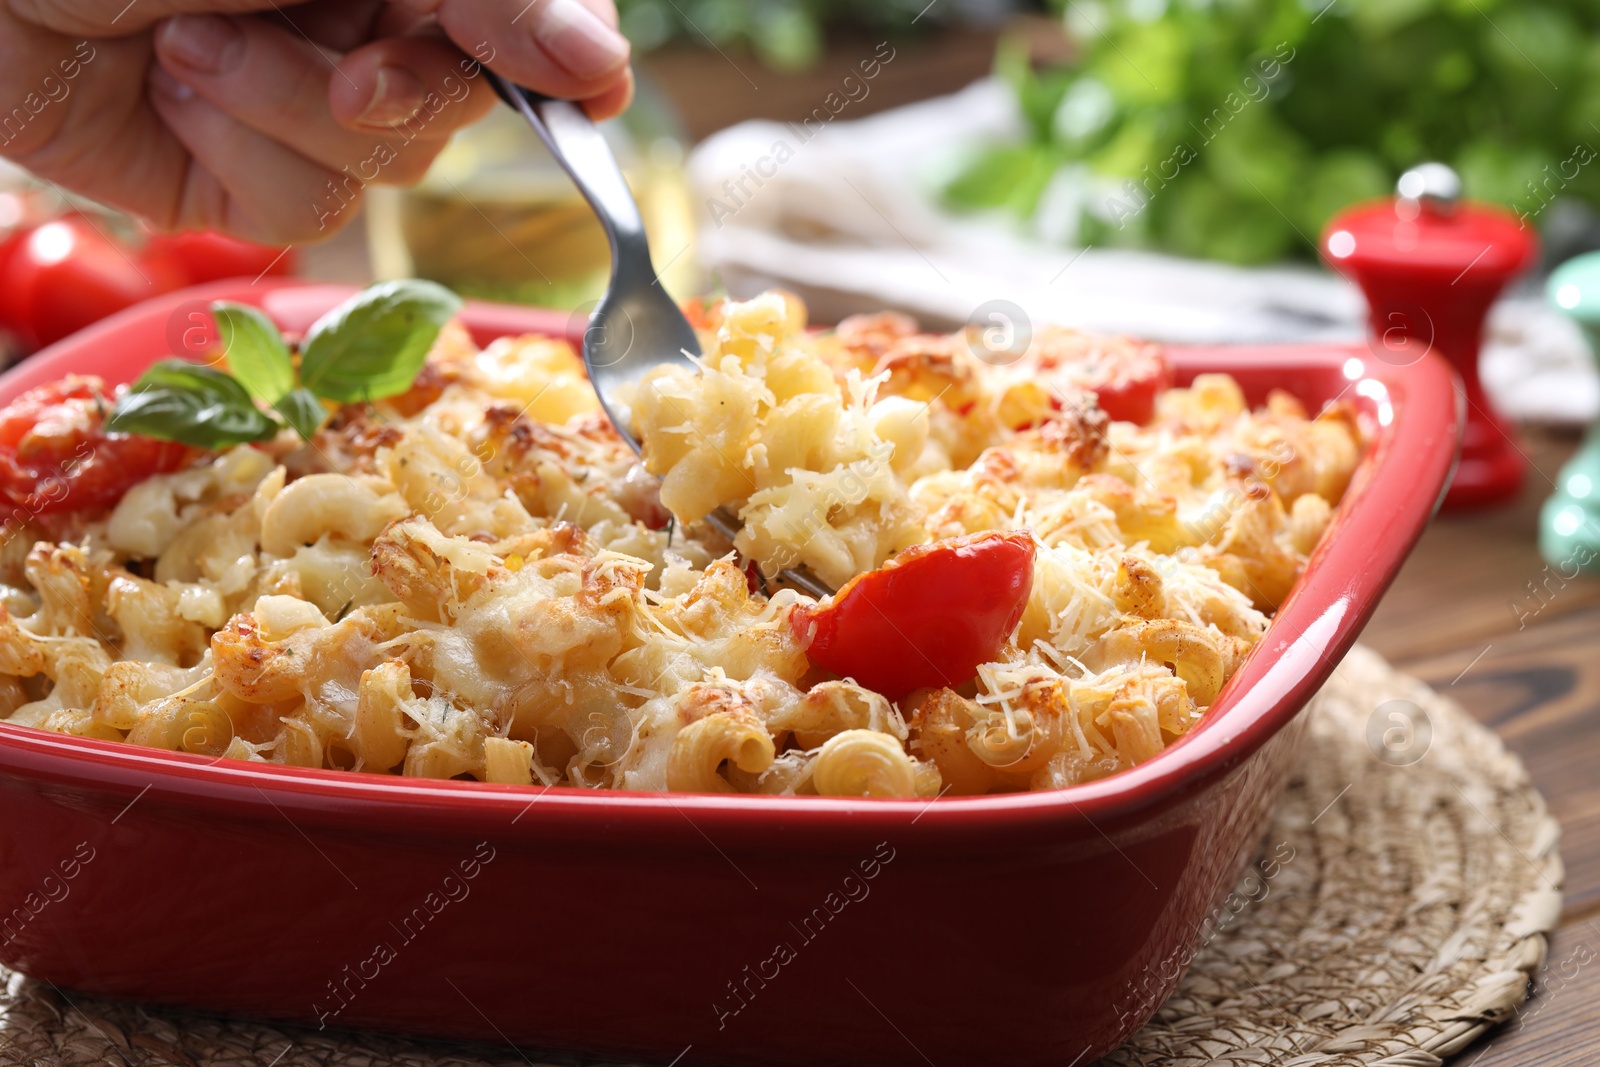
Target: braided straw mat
[{"x": 1397, "y": 910}]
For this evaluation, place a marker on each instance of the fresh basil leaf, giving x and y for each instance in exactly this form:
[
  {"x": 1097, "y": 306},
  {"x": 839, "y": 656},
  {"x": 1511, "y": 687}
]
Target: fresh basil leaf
[
  {"x": 180, "y": 401},
  {"x": 255, "y": 350},
  {"x": 181, "y": 375},
  {"x": 374, "y": 344},
  {"x": 301, "y": 409}
]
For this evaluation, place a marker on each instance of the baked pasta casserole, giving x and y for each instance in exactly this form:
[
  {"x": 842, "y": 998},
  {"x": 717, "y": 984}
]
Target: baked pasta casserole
[{"x": 1049, "y": 564}]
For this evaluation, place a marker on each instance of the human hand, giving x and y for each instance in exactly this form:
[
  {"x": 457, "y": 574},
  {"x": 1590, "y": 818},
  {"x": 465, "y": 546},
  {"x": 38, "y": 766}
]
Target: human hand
[{"x": 267, "y": 121}]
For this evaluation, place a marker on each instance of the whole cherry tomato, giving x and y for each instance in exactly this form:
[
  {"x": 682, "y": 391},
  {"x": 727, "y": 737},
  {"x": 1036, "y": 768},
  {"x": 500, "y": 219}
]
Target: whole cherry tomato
[
  {"x": 61, "y": 276},
  {"x": 206, "y": 256},
  {"x": 56, "y": 456},
  {"x": 928, "y": 617}
]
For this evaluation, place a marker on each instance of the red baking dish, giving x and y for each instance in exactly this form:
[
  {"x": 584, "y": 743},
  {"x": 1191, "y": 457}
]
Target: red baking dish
[{"x": 1039, "y": 928}]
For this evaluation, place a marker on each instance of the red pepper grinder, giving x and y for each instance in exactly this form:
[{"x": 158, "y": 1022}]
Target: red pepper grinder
[{"x": 1430, "y": 266}]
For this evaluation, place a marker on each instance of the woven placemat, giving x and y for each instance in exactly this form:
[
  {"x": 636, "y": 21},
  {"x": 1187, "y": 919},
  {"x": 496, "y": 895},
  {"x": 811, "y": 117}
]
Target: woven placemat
[{"x": 1397, "y": 910}]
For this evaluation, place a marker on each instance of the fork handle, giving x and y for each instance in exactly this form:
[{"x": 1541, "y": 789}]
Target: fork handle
[{"x": 581, "y": 149}]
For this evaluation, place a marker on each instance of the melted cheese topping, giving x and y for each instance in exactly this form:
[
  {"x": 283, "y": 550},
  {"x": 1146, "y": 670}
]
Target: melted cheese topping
[{"x": 478, "y": 579}]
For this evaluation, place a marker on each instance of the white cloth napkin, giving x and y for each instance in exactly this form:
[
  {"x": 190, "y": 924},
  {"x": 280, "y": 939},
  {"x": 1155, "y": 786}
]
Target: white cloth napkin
[{"x": 847, "y": 215}]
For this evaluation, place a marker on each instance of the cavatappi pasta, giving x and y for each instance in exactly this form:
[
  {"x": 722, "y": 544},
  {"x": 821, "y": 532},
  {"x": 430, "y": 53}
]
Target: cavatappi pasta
[{"x": 478, "y": 579}]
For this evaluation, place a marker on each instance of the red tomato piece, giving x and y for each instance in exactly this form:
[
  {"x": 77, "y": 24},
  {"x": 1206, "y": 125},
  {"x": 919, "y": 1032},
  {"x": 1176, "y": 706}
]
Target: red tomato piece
[
  {"x": 928, "y": 617},
  {"x": 753, "y": 581},
  {"x": 703, "y": 313},
  {"x": 207, "y": 256},
  {"x": 1125, "y": 383},
  {"x": 56, "y": 456}
]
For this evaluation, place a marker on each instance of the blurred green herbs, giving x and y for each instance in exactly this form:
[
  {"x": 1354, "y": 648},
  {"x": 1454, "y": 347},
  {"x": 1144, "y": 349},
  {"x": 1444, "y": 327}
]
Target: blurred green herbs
[
  {"x": 786, "y": 34},
  {"x": 1233, "y": 129}
]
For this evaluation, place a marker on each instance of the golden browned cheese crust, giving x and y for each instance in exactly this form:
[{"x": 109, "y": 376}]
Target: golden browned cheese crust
[{"x": 478, "y": 579}]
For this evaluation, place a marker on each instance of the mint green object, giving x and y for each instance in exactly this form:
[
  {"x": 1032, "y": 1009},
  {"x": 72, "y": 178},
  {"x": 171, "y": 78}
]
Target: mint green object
[{"x": 1569, "y": 523}]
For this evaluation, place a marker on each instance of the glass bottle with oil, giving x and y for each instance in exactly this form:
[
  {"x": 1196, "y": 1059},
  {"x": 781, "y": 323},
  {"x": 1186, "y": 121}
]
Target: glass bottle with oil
[{"x": 497, "y": 218}]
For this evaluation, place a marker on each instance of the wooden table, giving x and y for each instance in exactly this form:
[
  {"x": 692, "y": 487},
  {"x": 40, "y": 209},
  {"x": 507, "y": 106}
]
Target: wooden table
[{"x": 1478, "y": 615}]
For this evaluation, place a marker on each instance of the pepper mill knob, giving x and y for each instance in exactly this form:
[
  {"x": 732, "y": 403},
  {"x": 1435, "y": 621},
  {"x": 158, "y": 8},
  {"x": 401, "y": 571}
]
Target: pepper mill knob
[
  {"x": 1569, "y": 523},
  {"x": 1430, "y": 265},
  {"x": 1428, "y": 186}
]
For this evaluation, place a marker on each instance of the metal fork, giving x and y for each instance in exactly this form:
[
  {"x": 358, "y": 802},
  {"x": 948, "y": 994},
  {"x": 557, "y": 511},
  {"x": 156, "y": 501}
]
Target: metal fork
[{"x": 636, "y": 326}]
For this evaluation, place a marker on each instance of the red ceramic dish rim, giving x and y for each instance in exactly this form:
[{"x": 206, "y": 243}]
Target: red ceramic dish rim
[{"x": 1394, "y": 493}]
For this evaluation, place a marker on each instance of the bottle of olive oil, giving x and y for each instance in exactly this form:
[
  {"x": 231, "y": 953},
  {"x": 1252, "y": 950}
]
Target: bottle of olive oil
[{"x": 497, "y": 218}]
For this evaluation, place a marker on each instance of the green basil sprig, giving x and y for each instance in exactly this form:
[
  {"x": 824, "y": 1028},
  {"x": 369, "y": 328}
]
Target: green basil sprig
[
  {"x": 182, "y": 401},
  {"x": 369, "y": 347}
]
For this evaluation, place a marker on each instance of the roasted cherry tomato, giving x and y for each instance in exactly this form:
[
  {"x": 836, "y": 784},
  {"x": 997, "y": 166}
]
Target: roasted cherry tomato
[
  {"x": 928, "y": 617},
  {"x": 1126, "y": 384},
  {"x": 205, "y": 256},
  {"x": 57, "y": 278},
  {"x": 55, "y": 454}
]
